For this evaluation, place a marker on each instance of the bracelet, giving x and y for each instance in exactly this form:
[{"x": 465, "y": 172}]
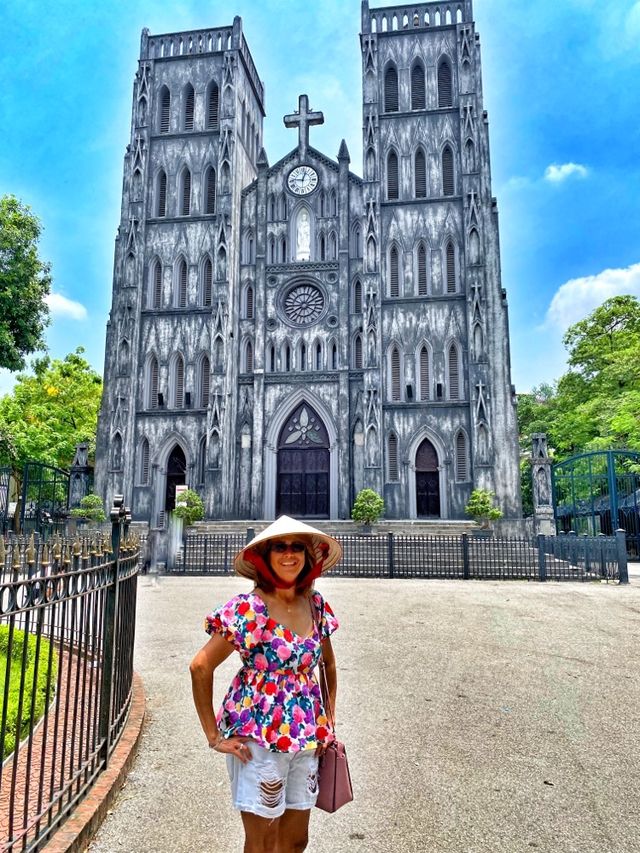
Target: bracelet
[{"x": 217, "y": 741}]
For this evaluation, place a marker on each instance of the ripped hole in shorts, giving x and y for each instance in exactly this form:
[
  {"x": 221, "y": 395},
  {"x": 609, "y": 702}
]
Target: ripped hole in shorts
[
  {"x": 312, "y": 783},
  {"x": 271, "y": 792}
]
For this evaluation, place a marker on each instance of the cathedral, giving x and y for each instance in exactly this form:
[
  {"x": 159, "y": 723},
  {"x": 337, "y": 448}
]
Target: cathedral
[{"x": 282, "y": 336}]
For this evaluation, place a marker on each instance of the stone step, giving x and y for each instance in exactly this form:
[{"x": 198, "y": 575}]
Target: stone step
[{"x": 408, "y": 527}]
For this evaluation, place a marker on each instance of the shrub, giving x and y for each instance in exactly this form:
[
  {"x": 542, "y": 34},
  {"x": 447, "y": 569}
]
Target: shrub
[
  {"x": 91, "y": 507},
  {"x": 189, "y": 507},
  {"x": 367, "y": 507},
  {"x": 481, "y": 507}
]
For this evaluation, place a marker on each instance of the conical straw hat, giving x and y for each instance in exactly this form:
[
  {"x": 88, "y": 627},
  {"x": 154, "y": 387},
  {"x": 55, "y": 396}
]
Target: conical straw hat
[{"x": 285, "y": 526}]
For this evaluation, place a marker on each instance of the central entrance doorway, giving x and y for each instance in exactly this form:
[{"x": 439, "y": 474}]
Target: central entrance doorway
[
  {"x": 176, "y": 476},
  {"x": 302, "y": 486},
  {"x": 427, "y": 481}
]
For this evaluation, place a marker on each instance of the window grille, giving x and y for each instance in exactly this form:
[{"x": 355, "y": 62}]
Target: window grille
[
  {"x": 182, "y": 284},
  {"x": 157, "y": 285},
  {"x": 461, "y": 458},
  {"x": 392, "y": 176},
  {"x": 357, "y": 297},
  {"x": 422, "y": 271},
  {"x": 211, "y": 191},
  {"x": 179, "y": 383},
  {"x": 144, "y": 463},
  {"x": 357, "y": 353},
  {"x": 394, "y": 280},
  {"x": 395, "y": 375},
  {"x": 188, "y": 108},
  {"x": 392, "y": 456},
  {"x": 454, "y": 373},
  {"x": 162, "y": 194},
  {"x": 420, "y": 174},
  {"x": 165, "y": 110},
  {"x": 205, "y": 382},
  {"x": 424, "y": 374},
  {"x": 451, "y": 268},
  {"x": 212, "y": 107},
  {"x": 448, "y": 183},
  {"x": 445, "y": 88},
  {"x": 248, "y": 358},
  {"x": 186, "y": 192},
  {"x": 153, "y": 383},
  {"x": 418, "y": 100},
  {"x": 207, "y": 282},
  {"x": 391, "y": 90},
  {"x": 249, "y": 303}
]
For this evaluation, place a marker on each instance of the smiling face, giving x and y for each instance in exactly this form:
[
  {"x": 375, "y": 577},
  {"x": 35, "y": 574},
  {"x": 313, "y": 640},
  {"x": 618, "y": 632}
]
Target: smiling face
[{"x": 287, "y": 556}]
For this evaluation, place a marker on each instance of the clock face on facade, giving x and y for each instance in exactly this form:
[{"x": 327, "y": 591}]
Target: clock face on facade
[{"x": 302, "y": 180}]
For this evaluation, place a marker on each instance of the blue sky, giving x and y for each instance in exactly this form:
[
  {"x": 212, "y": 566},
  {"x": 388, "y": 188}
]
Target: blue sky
[{"x": 561, "y": 84}]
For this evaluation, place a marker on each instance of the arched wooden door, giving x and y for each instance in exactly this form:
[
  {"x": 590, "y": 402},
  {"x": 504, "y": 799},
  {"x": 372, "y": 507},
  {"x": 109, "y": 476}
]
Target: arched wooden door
[
  {"x": 176, "y": 476},
  {"x": 427, "y": 481},
  {"x": 302, "y": 488}
]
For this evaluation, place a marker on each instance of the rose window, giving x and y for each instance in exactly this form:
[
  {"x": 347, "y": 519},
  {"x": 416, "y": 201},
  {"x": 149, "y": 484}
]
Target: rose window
[{"x": 304, "y": 304}]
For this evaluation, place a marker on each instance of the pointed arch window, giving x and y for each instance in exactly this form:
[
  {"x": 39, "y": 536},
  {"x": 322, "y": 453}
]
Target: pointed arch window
[
  {"x": 181, "y": 284},
  {"x": 212, "y": 106},
  {"x": 143, "y": 471},
  {"x": 156, "y": 284},
  {"x": 424, "y": 373},
  {"x": 205, "y": 381},
  {"x": 393, "y": 186},
  {"x": 333, "y": 203},
  {"x": 334, "y": 356},
  {"x": 420, "y": 174},
  {"x": 207, "y": 282},
  {"x": 272, "y": 208},
  {"x": 392, "y": 457},
  {"x": 357, "y": 297},
  {"x": 418, "y": 100},
  {"x": 318, "y": 356},
  {"x": 189, "y": 98},
  {"x": 248, "y": 357},
  {"x": 178, "y": 382},
  {"x": 445, "y": 84},
  {"x": 323, "y": 248},
  {"x": 394, "y": 272},
  {"x": 272, "y": 250},
  {"x": 165, "y": 109},
  {"x": 357, "y": 352},
  {"x": 283, "y": 250},
  {"x": 202, "y": 459},
  {"x": 271, "y": 359},
  {"x": 222, "y": 264},
  {"x": 116, "y": 452},
  {"x": 248, "y": 302},
  {"x": 451, "y": 268},
  {"x": 448, "y": 178},
  {"x": 462, "y": 463},
  {"x": 287, "y": 358},
  {"x": 454, "y": 373},
  {"x": 391, "y": 89},
  {"x": 394, "y": 377},
  {"x": 422, "y": 270},
  {"x": 185, "y": 192},
  {"x": 302, "y": 356},
  {"x": 210, "y": 190},
  {"x": 333, "y": 247},
  {"x": 152, "y": 380},
  {"x": 218, "y": 355},
  {"x": 161, "y": 205},
  {"x": 357, "y": 242}
]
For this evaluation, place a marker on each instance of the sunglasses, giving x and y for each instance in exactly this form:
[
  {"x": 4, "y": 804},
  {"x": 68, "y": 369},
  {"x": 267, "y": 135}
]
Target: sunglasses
[{"x": 283, "y": 547}]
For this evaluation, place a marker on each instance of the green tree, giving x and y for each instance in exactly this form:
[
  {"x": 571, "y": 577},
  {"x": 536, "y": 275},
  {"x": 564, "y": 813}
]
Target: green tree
[
  {"x": 24, "y": 284},
  {"x": 189, "y": 507},
  {"x": 481, "y": 507},
  {"x": 91, "y": 508},
  {"x": 367, "y": 507}
]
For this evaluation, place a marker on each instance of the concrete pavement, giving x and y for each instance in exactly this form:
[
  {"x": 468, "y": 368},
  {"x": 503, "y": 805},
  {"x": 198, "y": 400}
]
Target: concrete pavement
[{"x": 479, "y": 717}]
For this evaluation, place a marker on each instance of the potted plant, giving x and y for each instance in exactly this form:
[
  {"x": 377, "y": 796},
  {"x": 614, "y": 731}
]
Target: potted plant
[
  {"x": 367, "y": 508},
  {"x": 482, "y": 509},
  {"x": 189, "y": 507}
]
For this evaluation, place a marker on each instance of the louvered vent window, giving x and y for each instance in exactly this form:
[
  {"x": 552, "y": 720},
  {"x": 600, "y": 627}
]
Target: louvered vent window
[
  {"x": 186, "y": 192},
  {"x": 162, "y": 194},
  {"x": 454, "y": 374},
  {"x": 205, "y": 378},
  {"x": 392, "y": 456},
  {"x": 395, "y": 375},
  {"x": 357, "y": 297},
  {"x": 391, "y": 90},
  {"x": 144, "y": 463},
  {"x": 207, "y": 281},
  {"x": 424, "y": 374},
  {"x": 249, "y": 303},
  {"x": 157, "y": 285},
  {"x": 392, "y": 176},
  {"x": 182, "y": 285},
  {"x": 188, "y": 108},
  {"x": 211, "y": 191},
  {"x": 248, "y": 358},
  {"x": 448, "y": 184},
  {"x": 445, "y": 88},
  {"x": 165, "y": 110},
  {"x": 420, "y": 175},
  {"x": 418, "y": 101},
  {"x": 357, "y": 353},
  {"x": 451, "y": 268},
  {"x": 212, "y": 107},
  {"x": 179, "y": 383},
  {"x": 153, "y": 384},
  {"x": 422, "y": 271},
  {"x": 461, "y": 458},
  {"x": 394, "y": 280}
]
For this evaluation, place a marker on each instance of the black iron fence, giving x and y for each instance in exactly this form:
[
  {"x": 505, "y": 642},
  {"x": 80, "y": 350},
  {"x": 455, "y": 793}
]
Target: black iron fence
[
  {"x": 388, "y": 555},
  {"x": 67, "y": 623}
]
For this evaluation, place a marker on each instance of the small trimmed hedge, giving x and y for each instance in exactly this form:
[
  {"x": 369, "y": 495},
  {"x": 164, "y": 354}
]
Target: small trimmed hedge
[{"x": 41, "y": 697}]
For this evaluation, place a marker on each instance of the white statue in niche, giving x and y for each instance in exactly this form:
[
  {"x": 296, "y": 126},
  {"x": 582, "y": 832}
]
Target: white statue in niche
[{"x": 303, "y": 236}]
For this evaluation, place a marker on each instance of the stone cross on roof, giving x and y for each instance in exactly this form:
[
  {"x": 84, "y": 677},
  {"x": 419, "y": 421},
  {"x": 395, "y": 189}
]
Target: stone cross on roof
[{"x": 302, "y": 118}]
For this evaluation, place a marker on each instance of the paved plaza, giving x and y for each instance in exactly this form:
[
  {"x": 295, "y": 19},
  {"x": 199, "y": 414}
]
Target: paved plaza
[{"x": 479, "y": 716}]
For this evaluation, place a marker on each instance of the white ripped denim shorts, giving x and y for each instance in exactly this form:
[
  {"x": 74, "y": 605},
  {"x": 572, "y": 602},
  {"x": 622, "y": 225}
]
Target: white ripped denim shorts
[{"x": 273, "y": 781}]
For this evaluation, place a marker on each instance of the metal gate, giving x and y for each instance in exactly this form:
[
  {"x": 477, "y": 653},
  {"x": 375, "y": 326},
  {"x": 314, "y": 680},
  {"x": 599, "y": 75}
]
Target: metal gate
[{"x": 45, "y": 498}]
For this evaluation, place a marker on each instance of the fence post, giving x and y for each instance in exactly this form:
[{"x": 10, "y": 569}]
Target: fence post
[
  {"x": 390, "y": 554},
  {"x": 601, "y": 539},
  {"x": 465, "y": 557},
  {"x": 542, "y": 558},
  {"x": 621, "y": 546},
  {"x": 109, "y": 642}
]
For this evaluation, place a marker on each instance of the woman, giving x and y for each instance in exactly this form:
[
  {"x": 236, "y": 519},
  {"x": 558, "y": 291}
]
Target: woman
[{"x": 273, "y": 722}]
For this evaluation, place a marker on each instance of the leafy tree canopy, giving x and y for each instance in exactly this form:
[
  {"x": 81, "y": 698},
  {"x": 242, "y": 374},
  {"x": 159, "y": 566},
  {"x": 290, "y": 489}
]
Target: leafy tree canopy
[
  {"x": 50, "y": 411},
  {"x": 24, "y": 284}
]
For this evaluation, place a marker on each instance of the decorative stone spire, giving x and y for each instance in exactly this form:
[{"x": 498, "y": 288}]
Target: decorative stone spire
[{"x": 343, "y": 153}]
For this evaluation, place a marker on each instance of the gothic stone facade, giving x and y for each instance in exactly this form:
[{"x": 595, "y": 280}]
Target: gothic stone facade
[{"x": 283, "y": 336}]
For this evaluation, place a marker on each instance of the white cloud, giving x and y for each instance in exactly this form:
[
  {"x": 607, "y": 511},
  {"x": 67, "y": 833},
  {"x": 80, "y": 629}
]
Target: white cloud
[
  {"x": 556, "y": 173},
  {"x": 577, "y": 298},
  {"x": 60, "y": 306},
  {"x": 632, "y": 22}
]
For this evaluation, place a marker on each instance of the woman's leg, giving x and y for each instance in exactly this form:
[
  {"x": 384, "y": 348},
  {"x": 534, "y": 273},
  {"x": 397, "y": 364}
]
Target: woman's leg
[
  {"x": 261, "y": 833},
  {"x": 293, "y": 831}
]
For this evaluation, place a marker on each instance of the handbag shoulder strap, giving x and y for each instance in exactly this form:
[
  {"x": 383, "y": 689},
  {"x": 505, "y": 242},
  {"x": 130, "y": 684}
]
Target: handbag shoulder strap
[{"x": 324, "y": 684}]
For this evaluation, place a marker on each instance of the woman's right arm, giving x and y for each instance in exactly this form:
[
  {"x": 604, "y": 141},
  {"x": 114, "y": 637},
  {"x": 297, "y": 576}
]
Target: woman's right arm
[{"x": 202, "y": 667}]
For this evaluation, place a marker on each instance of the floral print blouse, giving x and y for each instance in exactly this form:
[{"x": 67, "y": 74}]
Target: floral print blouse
[{"x": 275, "y": 697}]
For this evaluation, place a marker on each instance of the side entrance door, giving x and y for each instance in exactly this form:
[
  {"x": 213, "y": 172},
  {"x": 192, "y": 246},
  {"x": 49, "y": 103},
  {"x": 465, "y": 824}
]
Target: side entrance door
[{"x": 302, "y": 488}]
